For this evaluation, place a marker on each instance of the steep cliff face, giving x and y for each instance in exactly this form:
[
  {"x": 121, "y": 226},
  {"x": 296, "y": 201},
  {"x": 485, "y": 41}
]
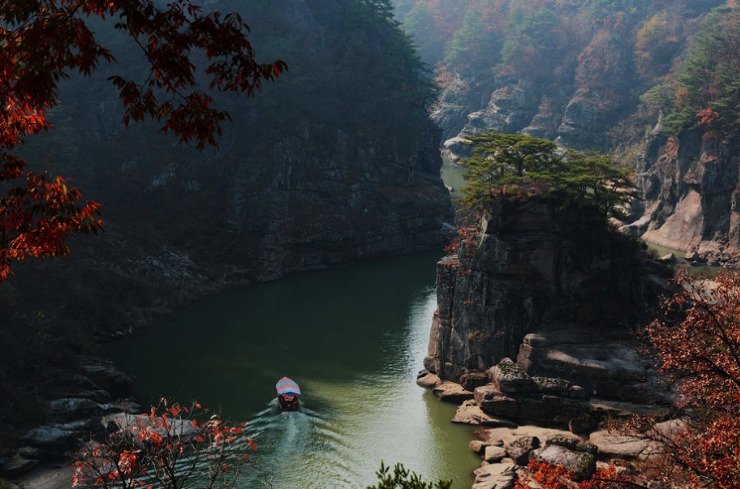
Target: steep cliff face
[
  {"x": 577, "y": 119},
  {"x": 689, "y": 170},
  {"x": 690, "y": 189},
  {"x": 319, "y": 169},
  {"x": 534, "y": 269},
  {"x": 350, "y": 200}
]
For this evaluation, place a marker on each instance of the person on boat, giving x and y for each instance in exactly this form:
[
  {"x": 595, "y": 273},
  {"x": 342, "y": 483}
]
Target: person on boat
[
  {"x": 288, "y": 392},
  {"x": 288, "y": 402}
]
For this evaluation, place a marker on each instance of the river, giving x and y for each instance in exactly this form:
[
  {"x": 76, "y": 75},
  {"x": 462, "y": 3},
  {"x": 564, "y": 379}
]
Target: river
[{"x": 353, "y": 338}]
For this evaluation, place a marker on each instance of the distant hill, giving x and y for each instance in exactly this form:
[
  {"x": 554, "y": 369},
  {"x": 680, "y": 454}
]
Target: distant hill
[
  {"x": 574, "y": 71},
  {"x": 655, "y": 82}
]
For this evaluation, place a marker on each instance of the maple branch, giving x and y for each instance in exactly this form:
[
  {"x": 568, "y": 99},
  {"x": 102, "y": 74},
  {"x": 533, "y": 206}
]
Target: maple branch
[{"x": 722, "y": 330}]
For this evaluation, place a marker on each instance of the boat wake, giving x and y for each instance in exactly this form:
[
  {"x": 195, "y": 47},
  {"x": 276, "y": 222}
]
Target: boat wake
[{"x": 299, "y": 443}]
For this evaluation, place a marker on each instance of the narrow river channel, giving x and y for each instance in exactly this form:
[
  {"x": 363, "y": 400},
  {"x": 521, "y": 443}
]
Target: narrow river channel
[{"x": 353, "y": 338}]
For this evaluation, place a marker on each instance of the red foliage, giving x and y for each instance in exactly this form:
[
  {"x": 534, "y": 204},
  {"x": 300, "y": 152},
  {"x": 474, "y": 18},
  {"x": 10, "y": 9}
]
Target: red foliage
[
  {"x": 707, "y": 117},
  {"x": 702, "y": 350},
  {"x": 546, "y": 476},
  {"x": 42, "y": 42},
  {"x": 698, "y": 343},
  {"x": 167, "y": 447},
  {"x": 466, "y": 232}
]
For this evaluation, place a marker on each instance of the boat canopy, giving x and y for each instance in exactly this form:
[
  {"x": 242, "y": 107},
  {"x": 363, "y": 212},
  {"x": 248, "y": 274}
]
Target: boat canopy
[{"x": 287, "y": 386}]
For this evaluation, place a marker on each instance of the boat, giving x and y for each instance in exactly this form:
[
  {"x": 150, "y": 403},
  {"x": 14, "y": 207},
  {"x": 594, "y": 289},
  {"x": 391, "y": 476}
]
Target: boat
[{"x": 288, "y": 393}]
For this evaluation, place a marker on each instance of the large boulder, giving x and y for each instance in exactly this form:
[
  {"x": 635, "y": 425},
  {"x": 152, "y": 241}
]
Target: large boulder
[
  {"x": 54, "y": 441},
  {"x": 427, "y": 379},
  {"x": 581, "y": 464},
  {"x": 493, "y": 402},
  {"x": 107, "y": 376},
  {"x": 606, "y": 364},
  {"x": 452, "y": 392},
  {"x": 509, "y": 378},
  {"x": 74, "y": 408},
  {"x": 521, "y": 449},
  {"x": 615, "y": 445},
  {"x": 472, "y": 380},
  {"x": 495, "y": 476},
  {"x": 470, "y": 413},
  {"x": 494, "y": 454}
]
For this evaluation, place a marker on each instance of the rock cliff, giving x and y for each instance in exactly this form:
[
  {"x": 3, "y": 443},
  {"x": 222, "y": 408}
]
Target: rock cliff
[
  {"x": 319, "y": 169},
  {"x": 690, "y": 195},
  {"x": 540, "y": 291},
  {"x": 577, "y": 118}
]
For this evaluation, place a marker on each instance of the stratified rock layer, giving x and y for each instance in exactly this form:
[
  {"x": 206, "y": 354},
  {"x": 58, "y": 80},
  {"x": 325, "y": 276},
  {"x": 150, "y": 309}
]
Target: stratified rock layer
[
  {"x": 545, "y": 306},
  {"x": 691, "y": 193}
]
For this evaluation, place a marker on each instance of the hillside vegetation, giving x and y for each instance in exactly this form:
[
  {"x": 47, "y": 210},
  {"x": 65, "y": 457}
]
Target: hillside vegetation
[
  {"x": 614, "y": 63},
  {"x": 344, "y": 132}
]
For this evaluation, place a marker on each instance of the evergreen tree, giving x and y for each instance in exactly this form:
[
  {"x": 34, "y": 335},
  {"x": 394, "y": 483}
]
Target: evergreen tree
[
  {"x": 503, "y": 165},
  {"x": 708, "y": 93}
]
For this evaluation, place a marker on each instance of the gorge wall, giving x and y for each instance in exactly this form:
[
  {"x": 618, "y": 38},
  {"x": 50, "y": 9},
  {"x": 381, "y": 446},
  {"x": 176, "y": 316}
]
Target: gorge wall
[
  {"x": 540, "y": 288},
  {"x": 690, "y": 196},
  {"x": 572, "y": 72},
  {"x": 651, "y": 82},
  {"x": 319, "y": 169}
]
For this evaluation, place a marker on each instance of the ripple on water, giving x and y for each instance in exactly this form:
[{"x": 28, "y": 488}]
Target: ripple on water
[
  {"x": 299, "y": 443},
  {"x": 353, "y": 338}
]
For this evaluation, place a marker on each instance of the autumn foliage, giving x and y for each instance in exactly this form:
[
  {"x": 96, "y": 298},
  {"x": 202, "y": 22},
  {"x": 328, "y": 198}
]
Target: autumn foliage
[
  {"x": 697, "y": 341},
  {"x": 706, "y": 83},
  {"x": 465, "y": 234},
  {"x": 46, "y": 41},
  {"x": 168, "y": 448},
  {"x": 546, "y": 476}
]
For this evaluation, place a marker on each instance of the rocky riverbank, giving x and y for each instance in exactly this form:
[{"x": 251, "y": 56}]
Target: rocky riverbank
[
  {"x": 95, "y": 388},
  {"x": 552, "y": 420},
  {"x": 535, "y": 326}
]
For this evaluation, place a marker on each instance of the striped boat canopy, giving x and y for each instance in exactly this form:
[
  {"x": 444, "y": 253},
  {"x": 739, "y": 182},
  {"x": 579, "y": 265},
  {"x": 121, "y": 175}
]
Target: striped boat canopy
[{"x": 287, "y": 386}]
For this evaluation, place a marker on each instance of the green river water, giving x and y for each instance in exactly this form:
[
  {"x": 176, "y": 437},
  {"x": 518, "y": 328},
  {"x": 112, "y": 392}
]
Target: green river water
[{"x": 353, "y": 338}]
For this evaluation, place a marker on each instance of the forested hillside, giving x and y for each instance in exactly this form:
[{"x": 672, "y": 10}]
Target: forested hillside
[
  {"x": 333, "y": 163},
  {"x": 557, "y": 69},
  {"x": 655, "y": 82}
]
